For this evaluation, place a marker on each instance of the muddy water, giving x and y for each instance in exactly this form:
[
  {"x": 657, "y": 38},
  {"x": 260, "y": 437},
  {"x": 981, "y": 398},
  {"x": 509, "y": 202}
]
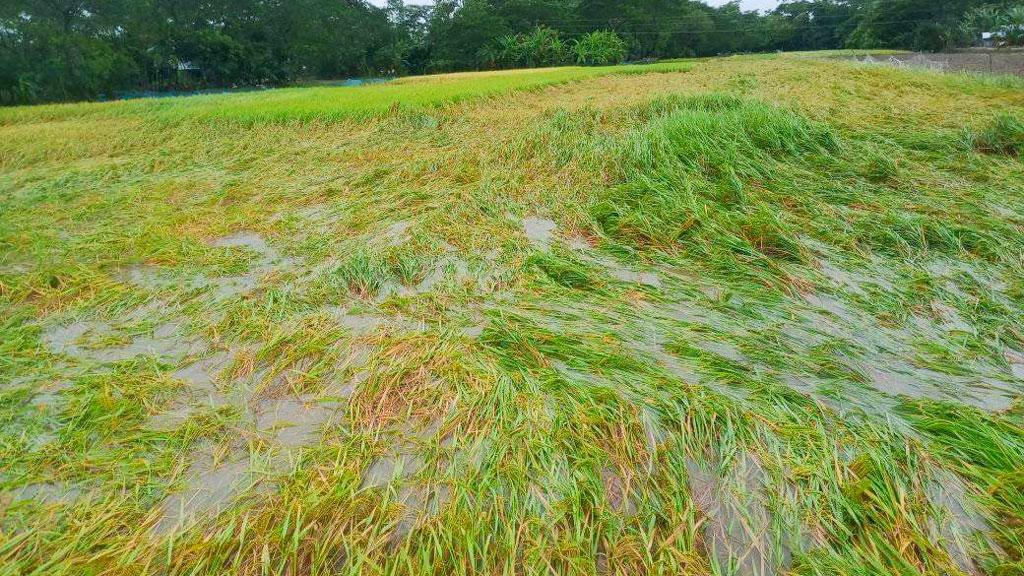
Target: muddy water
[
  {"x": 445, "y": 269},
  {"x": 613, "y": 268},
  {"x": 82, "y": 339},
  {"x": 958, "y": 522},
  {"x": 737, "y": 527},
  {"x": 578, "y": 243},
  {"x": 398, "y": 467},
  {"x": 723, "y": 350},
  {"x": 888, "y": 357},
  {"x": 350, "y": 371},
  {"x": 65, "y": 339},
  {"x": 618, "y": 492},
  {"x": 50, "y": 395},
  {"x": 896, "y": 377},
  {"x": 672, "y": 364},
  {"x": 1016, "y": 361},
  {"x": 396, "y": 232},
  {"x": 145, "y": 276},
  {"x": 210, "y": 487},
  {"x": 738, "y": 523},
  {"x": 211, "y": 484},
  {"x": 245, "y": 239},
  {"x": 625, "y": 274},
  {"x": 417, "y": 501},
  {"x": 226, "y": 287},
  {"x": 654, "y": 432},
  {"x": 833, "y": 306},
  {"x": 221, "y": 287},
  {"x": 539, "y": 231},
  {"x": 854, "y": 282},
  {"x": 206, "y": 389},
  {"x": 398, "y": 463},
  {"x": 294, "y": 422},
  {"x": 203, "y": 374},
  {"x": 361, "y": 323},
  {"x": 48, "y": 493}
]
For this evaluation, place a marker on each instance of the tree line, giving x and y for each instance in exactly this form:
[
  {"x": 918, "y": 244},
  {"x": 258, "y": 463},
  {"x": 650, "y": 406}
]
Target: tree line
[{"x": 63, "y": 50}]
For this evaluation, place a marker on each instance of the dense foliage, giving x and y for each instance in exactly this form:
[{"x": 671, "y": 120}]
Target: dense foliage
[
  {"x": 600, "y": 48},
  {"x": 57, "y": 50}
]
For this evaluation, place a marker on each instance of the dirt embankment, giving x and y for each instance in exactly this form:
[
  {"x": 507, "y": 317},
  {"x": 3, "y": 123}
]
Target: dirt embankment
[{"x": 995, "y": 62}]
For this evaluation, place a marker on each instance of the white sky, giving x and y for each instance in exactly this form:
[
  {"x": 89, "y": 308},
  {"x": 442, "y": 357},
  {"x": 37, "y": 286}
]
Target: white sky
[{"x": 747, "y": 4}]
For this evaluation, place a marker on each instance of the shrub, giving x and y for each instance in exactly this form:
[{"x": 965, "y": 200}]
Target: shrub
[
  {"x": 600, "y": 48},
  {"x": 540, "y": 48}
]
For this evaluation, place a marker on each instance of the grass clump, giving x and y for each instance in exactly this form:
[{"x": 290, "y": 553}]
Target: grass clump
[
  {"x": 1003, "y": 135},
  {"x": 564, "y": 269},
  {"x": 693, "y": 174}
]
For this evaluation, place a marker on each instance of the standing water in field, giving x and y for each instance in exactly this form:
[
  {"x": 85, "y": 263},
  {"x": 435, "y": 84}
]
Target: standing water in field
[{"x": 539, "y": 231}]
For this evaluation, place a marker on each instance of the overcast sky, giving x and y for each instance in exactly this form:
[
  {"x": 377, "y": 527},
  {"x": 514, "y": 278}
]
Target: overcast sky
[{"x": 747, "y": 4}]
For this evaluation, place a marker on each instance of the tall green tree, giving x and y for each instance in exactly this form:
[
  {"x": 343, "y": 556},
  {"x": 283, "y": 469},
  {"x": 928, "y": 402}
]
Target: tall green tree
[
  {"x": 914, "y": 24},
  {"x": 55, "y": 50}
]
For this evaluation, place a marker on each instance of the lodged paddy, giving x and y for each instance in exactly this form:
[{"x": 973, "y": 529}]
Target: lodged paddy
[{"x": 748, "y": 315}]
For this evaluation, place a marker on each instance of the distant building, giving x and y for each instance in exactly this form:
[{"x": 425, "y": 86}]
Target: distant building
[
  {"x": 1001, "y": 36},
  {"x": 187, "y": 73}
]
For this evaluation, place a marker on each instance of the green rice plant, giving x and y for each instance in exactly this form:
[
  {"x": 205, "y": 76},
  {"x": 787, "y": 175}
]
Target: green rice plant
[
  {"x": 1004, "y": 135},
  {"x": 563, "y": 269},
  {"x": 363, "y": 273},
  {"x": 687, "y": 176},
  {"x": 329, "y": 104}
]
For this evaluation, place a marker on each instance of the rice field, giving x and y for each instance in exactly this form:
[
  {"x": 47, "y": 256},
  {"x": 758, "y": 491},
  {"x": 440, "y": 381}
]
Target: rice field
[
  {"x": 751, "y": 315},
  {"x": 325, "y": 104}
]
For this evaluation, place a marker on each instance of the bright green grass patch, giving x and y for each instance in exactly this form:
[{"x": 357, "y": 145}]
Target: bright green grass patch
[
  {"x": 331, "y": 103},
  {"x": 686, "y": 175},
  {"x": 716, "y": 175}
]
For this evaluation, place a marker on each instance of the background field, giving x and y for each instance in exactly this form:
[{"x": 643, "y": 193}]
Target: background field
[
  {"x": 332, "y": 103},
  {"x": 748, "y": 315}
]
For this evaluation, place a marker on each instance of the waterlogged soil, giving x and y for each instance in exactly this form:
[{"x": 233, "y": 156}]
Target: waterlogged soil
[
  {"x": 397, "y": 472},
  {"x": 216, "y": 478},
  {"x": 85, "y": 340},
  {"x": 539, "y": 231},
  {"x": 266, "y": 260},
  {"x": 1016, "y": 362},
  {"x": 737, "y": 525},
  {"x": 246, "y": 239},
  {"x": 737, "y": 528},
  {"x": 958, "y": 521},
  {"x": 359, "y": 323},
  {"x": 295, "y": 422},
  {"x": 44, "y": 493},
  {"x": 396, "y": 233},
  {"x": 211, "y": 483}
]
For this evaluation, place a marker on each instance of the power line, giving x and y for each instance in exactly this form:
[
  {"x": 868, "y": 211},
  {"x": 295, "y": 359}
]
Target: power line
[{"x": 712, "y": 28}]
